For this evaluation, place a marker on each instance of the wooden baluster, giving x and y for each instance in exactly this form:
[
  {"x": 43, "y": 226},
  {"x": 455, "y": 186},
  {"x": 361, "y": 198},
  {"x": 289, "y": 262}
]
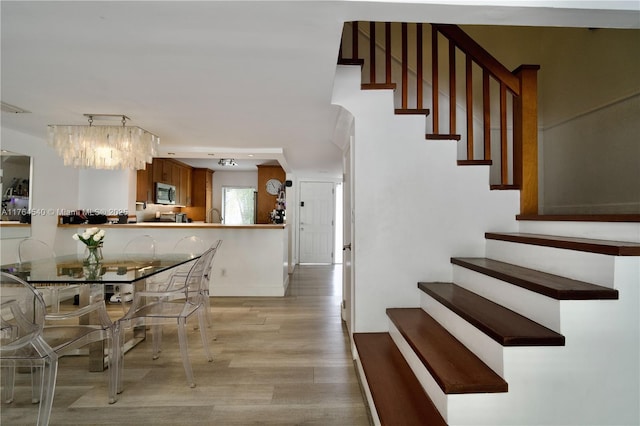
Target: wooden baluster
[
  {"x": 486, "y": 116},
  {"x": 387, "y": 51},
  {"x": 452, "y": 88},
  {"x": 504, "y": 165},
  {"x": 434, "y": 79},
  {"x": 419, "y": 77},
  {"x": 469, "y": 87},
  {"x": 525, "y": 138},
  {"x": 405, "y": 67},
  {"x": 354, "y": 40},
  {"x": 372, "y": 52}
]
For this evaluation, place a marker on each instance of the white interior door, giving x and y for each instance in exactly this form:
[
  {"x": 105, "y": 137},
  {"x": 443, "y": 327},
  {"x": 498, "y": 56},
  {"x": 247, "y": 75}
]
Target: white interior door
[
  {"x": 346, "y": 241},
  {"x": 316, "y": 222}
]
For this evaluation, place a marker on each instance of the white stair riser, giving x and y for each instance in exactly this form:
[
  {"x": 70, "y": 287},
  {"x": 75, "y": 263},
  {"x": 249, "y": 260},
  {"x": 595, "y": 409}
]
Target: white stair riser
[
  {"x": 539, "y": 308},
  {"x": 590, "y": 267},
  {"x": 613, "y": 231}
]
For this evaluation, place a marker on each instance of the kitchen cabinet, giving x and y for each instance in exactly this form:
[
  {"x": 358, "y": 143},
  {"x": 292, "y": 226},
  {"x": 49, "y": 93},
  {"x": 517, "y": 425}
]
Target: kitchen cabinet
[
  {"x": 201, "y": 193},
  {"x": 184, "y": 187},
  {"x": 266, "y": 201},
  {"x": 144, "y": 185},
  {"x": 165, "y": 170}
]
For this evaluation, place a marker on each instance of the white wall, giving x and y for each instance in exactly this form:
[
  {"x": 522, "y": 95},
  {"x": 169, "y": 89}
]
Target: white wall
[
  {"x": 594, "y": 168},
  {"x": 589, "y": 108},
  {"x": 107, "y": 191},
  {"x": 414, "y": 207}
]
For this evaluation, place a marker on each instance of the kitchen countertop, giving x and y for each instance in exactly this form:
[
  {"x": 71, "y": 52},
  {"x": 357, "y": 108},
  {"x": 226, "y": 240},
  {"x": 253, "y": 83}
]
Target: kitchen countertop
[{"x": 166, "y": 225}]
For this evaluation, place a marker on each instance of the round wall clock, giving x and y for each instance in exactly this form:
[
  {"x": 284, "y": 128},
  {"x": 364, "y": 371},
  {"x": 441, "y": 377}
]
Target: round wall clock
[{"x": 273, "y": 186}]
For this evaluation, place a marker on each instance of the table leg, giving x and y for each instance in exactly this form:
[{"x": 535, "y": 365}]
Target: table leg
[{"x": 93, "y": 293}]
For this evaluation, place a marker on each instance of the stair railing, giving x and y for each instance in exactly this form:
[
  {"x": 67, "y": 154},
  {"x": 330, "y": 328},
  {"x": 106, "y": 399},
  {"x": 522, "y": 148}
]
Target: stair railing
[{"x": 517, "y": 88}]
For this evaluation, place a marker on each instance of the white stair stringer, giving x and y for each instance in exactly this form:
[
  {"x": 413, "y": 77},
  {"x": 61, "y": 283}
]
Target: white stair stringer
[
  {"x": 413, "y": 206},
  {"x": 593, "y": 379}
]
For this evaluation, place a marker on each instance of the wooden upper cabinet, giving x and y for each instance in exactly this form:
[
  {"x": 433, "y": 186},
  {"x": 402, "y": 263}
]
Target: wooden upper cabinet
[
  {"x": 145, "y": 185},
  {"x": 184, "y": 192},
  {"x": 169, "y": 171},
  {"x": 201, "y": 193},
  {"x": 267, "y": 202}
]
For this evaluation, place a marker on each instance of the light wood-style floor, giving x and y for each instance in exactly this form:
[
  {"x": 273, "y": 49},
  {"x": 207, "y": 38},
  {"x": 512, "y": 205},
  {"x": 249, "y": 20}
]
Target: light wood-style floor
[{"x": 277, "y": 361}]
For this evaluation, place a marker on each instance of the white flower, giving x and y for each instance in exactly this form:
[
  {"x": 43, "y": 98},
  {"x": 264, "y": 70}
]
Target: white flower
[
  {"x": 92, "y": 230},
  {"x": 101, "y": 233},
  {"x": 75, "y": 237},
  {"x": 86, "y": 235}
]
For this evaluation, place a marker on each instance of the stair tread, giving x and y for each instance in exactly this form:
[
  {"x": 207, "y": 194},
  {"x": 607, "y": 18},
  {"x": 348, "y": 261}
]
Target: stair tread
[
  {"x": 452, "y": 365},
  {"x": 581, "y": 217},
  {"x": 442, "y": 136},
  {"x": 378, "y": 86},
  {"x": 351, "y": 61},
  {"x": 501, "y": 324},
  {"x": 397, "y": 394},
  {"x": 614, "y": 248},
  {"x": 410, "y": 111},
  {"x": 550, "y": 285},
  {"x": 475, "y": 162}
]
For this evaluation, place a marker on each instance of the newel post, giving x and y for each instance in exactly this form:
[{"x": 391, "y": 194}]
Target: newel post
[{"x": 525, "y": 138}]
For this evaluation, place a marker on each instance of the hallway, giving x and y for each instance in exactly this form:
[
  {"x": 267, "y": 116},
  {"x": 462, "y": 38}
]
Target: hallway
[{"x": 277, "y": 361}]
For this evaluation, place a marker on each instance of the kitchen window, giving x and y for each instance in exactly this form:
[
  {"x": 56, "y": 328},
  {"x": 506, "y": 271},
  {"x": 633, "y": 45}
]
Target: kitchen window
[{"x": 238, "y": 205}]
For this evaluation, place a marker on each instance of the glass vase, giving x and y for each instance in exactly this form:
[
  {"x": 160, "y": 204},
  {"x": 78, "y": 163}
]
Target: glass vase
[{"x": 93, "y": 255}]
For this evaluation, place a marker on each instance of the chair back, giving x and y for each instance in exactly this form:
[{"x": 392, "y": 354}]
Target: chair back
[
  {"x": 33, "y": 249},
  {"x": 192, "y": 246},
  {"x": 215, "y": 246},
  {"x": 22, "y": 312},
  {"x": 196, "y": 277},
  {"x": 140, "y": 248}
]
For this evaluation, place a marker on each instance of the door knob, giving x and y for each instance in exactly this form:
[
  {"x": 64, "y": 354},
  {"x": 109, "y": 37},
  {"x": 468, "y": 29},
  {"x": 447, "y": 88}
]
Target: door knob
[{"x": 346, "y": 246}]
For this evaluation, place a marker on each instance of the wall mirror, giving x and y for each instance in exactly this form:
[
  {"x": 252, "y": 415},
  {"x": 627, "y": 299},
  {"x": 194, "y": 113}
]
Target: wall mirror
[{"x": 15, "y": 187}]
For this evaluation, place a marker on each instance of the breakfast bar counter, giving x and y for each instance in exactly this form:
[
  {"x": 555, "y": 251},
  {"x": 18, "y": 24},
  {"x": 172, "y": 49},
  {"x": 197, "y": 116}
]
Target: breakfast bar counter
[
  {"x": 252, "y": 261},
  {"x": 189, "y": 225}
]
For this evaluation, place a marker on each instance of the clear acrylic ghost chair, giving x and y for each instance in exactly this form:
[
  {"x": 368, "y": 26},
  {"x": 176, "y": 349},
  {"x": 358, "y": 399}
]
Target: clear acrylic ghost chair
[
  {"x": 193, "y": 246},
  {"x": 140, "y": 248},
  {"x": 208, "y": 276},
  {"x": 174, "y": 303},
  {"x": 31, "y": 249},
  {"x": 27, "y": 342}
]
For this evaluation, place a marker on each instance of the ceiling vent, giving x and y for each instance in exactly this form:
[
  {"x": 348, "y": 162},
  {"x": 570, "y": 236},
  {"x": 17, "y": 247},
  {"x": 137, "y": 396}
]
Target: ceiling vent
[{"x": 13, "y": 109}]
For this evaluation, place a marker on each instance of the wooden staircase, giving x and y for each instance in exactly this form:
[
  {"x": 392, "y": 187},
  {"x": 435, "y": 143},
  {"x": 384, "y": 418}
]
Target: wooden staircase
[
  {"x": 529, "y": 331},
  {"x": 442, "y": 358}
]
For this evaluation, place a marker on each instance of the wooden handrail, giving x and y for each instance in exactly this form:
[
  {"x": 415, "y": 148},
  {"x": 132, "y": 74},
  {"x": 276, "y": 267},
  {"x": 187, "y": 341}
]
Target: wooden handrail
[{"x": 479, "y": 55}]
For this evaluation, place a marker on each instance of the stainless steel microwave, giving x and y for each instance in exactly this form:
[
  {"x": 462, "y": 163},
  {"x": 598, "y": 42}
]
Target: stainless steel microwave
[{"x": 165, "y": 194}]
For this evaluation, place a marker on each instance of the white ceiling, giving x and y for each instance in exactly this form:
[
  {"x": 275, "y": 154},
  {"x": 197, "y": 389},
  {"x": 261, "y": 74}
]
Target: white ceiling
[{"x": 224, "y": 78}]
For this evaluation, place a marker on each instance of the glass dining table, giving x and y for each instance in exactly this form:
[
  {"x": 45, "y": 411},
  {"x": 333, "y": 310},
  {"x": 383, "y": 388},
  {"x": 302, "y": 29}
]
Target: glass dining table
[{"x": 95, "y": 279}]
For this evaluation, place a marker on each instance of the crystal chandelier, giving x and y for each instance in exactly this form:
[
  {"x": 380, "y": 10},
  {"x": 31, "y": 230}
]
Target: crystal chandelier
[{"x": 104, "y": 147}]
